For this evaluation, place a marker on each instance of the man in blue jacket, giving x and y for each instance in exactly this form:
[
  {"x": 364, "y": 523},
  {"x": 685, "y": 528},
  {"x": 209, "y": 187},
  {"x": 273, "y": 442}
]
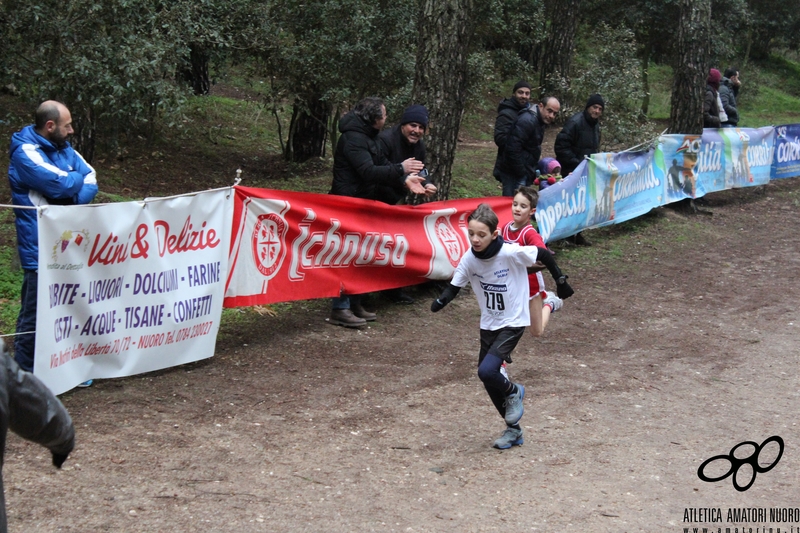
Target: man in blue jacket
[{"x": 43, "y": 170}]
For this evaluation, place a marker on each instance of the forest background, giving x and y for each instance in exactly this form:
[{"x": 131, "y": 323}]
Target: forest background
[{"x": 174, "y": 97}]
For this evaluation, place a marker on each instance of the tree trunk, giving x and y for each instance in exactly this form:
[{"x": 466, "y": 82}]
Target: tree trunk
[
  {"x": 689, "y": 80},
  {"x": 308, "y": 130},
  {"x": 196, "y": 72},
  {"x": 648, "y": 48},
  {"x": 84, "y": 125},
  {"x": 440, "y": 81},
  {"x": 556, "y": 59}
]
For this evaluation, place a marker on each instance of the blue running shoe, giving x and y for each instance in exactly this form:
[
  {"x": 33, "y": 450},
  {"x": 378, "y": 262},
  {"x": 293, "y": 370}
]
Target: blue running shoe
[
  {"x": 87, "y": 383},
  {"x": 510, "y": 437},
  {"x": 513, "y": 405}
]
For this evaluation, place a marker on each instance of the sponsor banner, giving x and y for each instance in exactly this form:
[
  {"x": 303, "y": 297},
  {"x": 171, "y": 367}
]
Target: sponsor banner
[
  {"x": 296, "y": 246},
  {"x": 563, "y": 207},
  {"x": 615, "y": 187},
  {"x": 748, "y": 156},
  {"x": 786, "y": 163},
  {"x": 130, "y": 287},
  {"x": 605, "y": 189},
  {"x": 720, "y": 159}
]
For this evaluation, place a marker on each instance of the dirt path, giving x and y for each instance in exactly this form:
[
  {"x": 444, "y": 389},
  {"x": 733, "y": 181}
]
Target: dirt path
[{"x": 681, "y": 342}]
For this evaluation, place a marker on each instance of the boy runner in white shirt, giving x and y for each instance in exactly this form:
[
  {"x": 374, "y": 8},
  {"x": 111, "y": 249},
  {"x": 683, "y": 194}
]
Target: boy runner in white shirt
[{"x": 498, "y": 274}]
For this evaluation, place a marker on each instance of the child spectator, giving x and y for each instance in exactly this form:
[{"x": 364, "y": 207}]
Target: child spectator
[{"x": 498, "y": 274}]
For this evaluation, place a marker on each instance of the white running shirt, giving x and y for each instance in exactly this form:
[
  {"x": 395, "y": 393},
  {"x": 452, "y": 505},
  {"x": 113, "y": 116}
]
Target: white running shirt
[{"x": 500, "y": 284}]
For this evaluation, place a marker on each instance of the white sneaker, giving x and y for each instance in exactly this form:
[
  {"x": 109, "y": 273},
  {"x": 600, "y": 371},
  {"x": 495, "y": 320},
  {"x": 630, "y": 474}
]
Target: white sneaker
[{"x": 553, "y": 301}]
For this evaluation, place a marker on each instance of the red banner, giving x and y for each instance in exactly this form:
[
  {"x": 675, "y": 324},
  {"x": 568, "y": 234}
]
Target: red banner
[{"x": 298, "y": 246}]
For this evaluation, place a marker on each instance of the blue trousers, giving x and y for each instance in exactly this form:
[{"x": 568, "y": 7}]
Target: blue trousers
[{"x": 25, "y": 341}]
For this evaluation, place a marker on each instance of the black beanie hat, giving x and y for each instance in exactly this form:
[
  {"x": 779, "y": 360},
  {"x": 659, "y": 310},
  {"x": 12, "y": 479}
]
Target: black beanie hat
[
  {"x": 415, "y": 113},
  {"x": 595, "y": 99},
  {"x": 519, "y": 85}
]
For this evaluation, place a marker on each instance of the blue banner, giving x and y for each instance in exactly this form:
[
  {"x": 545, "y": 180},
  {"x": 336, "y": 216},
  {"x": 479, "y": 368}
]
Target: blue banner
[
  {"x": 614, "y": 187},
  {"x": 786, "y": 163}
]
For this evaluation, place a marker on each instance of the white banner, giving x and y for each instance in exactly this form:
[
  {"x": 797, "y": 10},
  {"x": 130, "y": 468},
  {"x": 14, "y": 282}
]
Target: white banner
[{"x": 130, "y": 287}]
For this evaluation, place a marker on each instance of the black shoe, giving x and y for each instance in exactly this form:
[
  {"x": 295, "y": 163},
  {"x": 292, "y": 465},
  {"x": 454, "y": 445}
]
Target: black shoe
[
  {"x": 579, "y": 240},
  {"x": 399, "y": 296}
]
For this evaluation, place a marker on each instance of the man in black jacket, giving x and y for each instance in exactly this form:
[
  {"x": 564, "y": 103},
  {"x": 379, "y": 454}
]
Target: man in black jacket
[
  {"x": 580, "y": 137},
  {"x": 399, "y": 143},
  {"x": 728, "y": 92},
  {"x": 524, "y": 144},
  {"x": 359, "y": 169},
  {"x": 402, "y": 142},
  {"x": 507, "y": 113}
]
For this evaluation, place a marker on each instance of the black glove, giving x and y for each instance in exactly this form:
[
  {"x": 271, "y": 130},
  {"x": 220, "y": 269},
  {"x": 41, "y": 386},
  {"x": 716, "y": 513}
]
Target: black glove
[
  {"x": 58, "y": 459},
  {"x": 437, "y": 305},
  {"x": 563, "y": 289}
]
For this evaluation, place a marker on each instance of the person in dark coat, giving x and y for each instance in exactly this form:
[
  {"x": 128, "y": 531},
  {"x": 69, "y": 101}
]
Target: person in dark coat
[
  {"x": 402, "y": 142},
  {"x": 711, "y": 103},
  {"x": 524, "y": 144},
  {"x": 580, "y": 137},
  {"x": 507, "y": 113},
  {"x": 399, "y": 143},
  {"x": 359, "y": 169},
  {"x": 728, "y": 92},
  {"x": 29, "y": 409}
]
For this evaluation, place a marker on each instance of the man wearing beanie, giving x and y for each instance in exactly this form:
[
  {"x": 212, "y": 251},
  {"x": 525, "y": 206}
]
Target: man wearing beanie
[
  {"x": 402, "y": 142},
  {"x": 397, "y": 144},
  {"x": 507, "y": 113},
  {"x": 580, "y": 137},
  {"x": 359, "y": 168},
  {"x": 712, "y": 107}
]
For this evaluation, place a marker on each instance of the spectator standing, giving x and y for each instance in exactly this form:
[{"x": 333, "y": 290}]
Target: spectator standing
[
  {"x": 29, "y": 409},
  {"x": 360, "y": 170},
  {"x": 524, "y": 145},
  {"x": 728, "y": 93},
  {"x": 579, "y": 138},
  {"x": 43, "y": 170},
  {"x": 711, "y": 104},
  {"x": 507, "y": 113},
  {"x": 399, "y": 143},
  {"x": 404, "y": 141}
]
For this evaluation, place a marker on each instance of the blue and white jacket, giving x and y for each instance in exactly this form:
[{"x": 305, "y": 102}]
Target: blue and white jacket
[{"x": 41, "y": 173}]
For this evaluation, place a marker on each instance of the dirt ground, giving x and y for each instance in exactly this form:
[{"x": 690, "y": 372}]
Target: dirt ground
[{"x": 680, "y": 342}]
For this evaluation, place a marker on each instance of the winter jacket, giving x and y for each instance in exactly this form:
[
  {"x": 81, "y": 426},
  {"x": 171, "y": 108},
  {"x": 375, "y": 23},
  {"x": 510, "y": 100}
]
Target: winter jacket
[
  {"x": 29, "y": 409},
  {"x": 710, "y": 109},
  {"x": 41, "y": 173},
  {"x": 579, "y": 137},
  {"x": 359, "y": 166},
  {"x": 727, "y": 93},
  {"x": 397, "y": 149},
  {"x": 507, "y": 113},
  {"x": 524, "y": 145}
]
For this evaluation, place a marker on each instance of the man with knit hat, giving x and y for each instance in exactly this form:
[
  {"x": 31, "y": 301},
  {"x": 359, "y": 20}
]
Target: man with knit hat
[
  {"x": 507, "y": 113},
  {"x": 402, "y": 142},
  {"x": 579, "y": 138}
]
